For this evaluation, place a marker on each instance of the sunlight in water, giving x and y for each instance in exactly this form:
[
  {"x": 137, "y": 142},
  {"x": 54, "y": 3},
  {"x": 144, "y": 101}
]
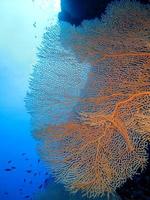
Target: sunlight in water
[{"x": 44, "y": 4}]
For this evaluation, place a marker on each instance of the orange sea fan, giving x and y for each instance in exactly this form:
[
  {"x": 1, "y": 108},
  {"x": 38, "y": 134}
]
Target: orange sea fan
[
  {"x": 90, "y": 99},
  {"x": 97, "y": 151}
]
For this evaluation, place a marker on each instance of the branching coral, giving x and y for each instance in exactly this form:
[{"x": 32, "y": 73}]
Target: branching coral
[{"x": 103, "y": 140}]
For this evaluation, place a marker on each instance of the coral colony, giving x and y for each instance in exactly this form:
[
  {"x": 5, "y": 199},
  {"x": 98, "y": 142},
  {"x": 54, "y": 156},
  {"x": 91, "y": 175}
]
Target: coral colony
[{"x": 90, "y": 99}]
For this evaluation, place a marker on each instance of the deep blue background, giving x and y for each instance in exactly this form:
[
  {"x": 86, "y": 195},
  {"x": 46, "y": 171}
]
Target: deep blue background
[{"x": 23, "y": 23}]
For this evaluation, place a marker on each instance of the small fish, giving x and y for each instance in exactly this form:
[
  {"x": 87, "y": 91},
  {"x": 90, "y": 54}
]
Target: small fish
[
  {"x": 27, "y": 159},
  {"x": 28, "y": 171},
  {"x": 35, "y": 174},
  {"x": 38, "y": 160},
  {"x": 23, "y": 154},
  {"x": 46, "y": 182},
  {"x": 13, "y": 167},
  {"x": 20, "y": 189},
  {"x": 5, "y": 193},
  {"x": 27, "y": 196},
  {"x": 8, "y": 170},
  {"x": 40, "y": 186},
  {"x": 34, "y": 24},
  {"x": 9, "y": 161},
  {"x": 46, "y": 173},
  {"x": 24, "y": 180}
]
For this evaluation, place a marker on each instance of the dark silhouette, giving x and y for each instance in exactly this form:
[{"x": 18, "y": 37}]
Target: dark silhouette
[{"x": 75, "y": 11}]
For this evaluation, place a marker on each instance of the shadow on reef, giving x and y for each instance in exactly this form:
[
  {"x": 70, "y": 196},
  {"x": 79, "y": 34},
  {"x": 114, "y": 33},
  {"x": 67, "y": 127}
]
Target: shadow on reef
[
  {"x": 75, "y": 11},
  {"x": 57, "y": 192},
  {"x": 139, "y": 187}
]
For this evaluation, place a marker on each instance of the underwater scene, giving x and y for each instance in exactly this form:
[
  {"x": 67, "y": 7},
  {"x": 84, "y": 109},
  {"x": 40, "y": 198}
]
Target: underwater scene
[{"x": 75, "y": 100}]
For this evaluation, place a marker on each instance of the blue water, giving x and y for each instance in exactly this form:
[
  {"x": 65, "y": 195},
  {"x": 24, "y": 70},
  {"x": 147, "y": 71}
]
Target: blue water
[
  {"x": 19, "y": 38},
  {"x": 23, "y": 175}
]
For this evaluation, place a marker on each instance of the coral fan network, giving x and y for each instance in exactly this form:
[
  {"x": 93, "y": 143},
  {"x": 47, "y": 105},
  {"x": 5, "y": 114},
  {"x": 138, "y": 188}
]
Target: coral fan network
[{"x": 89, "y": 99}]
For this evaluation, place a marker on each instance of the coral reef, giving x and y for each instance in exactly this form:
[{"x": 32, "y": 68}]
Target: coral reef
[
  {"x": 75, "y": 11},
  {"x": 57, "y": 192},
  {"x": 90, "y": 99}
]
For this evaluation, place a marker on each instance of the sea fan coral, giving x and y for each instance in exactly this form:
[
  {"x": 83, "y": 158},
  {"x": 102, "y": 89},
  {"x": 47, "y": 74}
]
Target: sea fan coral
[{"x": 90, "y": 99}]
